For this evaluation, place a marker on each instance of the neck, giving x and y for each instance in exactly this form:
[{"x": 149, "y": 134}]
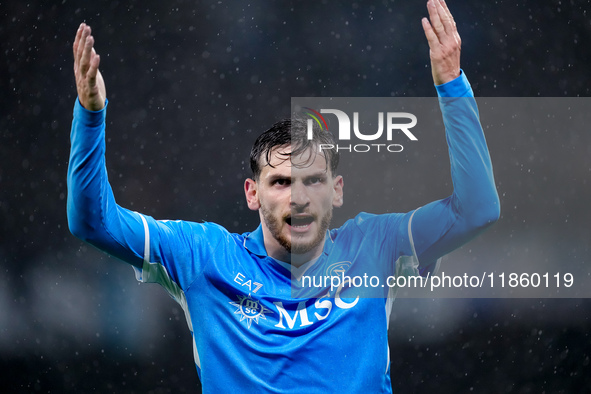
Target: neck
[
  {"x": 278, "y": 252},
  {"x": 297, "y": 260}
]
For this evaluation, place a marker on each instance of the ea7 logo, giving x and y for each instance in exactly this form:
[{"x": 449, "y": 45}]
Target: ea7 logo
[{"x": 392, "y": 120}]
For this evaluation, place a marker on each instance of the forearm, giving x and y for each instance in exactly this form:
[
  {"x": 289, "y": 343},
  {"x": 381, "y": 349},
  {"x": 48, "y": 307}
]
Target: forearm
[
  {"x": 93, "y": 215},
  {"x": 474, "y": 203}
]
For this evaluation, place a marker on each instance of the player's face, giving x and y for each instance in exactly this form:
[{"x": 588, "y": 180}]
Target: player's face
[{"x": 295, "y": 201}]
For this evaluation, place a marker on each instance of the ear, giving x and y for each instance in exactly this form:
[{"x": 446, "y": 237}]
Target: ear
[
  {"x": 252, "y": 197},
  {"x": 338, "y": 185}
]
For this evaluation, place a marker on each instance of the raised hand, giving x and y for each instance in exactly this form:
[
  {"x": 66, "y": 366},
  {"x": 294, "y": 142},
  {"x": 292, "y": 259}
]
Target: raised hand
[
  {"x": 444, "y": 42},
  {"x": 89, "y": 81}
]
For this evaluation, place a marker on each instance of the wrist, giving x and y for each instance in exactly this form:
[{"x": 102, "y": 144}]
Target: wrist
[
  {"x": 457, "y": 87},
  {"x": 89, "y": 117}
]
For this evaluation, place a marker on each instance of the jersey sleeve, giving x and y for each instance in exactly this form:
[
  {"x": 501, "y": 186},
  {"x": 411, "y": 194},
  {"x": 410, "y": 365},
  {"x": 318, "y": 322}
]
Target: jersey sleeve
[
  {"x": 444, "y": 225},
  {"x": 176, "y": 251},
  {"x": 95, "y": 217}
]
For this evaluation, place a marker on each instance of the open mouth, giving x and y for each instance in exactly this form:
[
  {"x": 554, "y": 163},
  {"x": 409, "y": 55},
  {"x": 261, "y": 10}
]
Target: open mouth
[{"x": 300, "y": 222}]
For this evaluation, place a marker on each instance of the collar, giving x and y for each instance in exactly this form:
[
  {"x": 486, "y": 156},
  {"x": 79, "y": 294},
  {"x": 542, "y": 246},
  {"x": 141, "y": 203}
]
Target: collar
[{"x": 254, "y": 242}]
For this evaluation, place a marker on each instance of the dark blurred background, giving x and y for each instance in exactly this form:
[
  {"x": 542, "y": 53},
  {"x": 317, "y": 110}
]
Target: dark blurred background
[{"x": 191, "y": 84}]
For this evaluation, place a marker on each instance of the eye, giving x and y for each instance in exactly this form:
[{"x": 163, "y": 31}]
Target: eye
[
  {"x": 281, "y": 182},
  {"x": 315, "y": 180}
]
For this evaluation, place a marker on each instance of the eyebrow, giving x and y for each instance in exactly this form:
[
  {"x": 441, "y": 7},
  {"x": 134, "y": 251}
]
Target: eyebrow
[{"x": 319, "y": 174}]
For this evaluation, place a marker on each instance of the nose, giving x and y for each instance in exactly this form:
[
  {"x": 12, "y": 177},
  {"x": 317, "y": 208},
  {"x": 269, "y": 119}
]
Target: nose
[{"x": 299, "y": 196}]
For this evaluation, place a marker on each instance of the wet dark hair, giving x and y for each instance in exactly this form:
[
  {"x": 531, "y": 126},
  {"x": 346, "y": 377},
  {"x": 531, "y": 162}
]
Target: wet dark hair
[{"x": 292, "y": 132}]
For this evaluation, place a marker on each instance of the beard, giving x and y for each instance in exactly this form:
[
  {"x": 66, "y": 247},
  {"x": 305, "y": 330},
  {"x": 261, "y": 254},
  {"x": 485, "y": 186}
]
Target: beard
[{"x": 274, "y": 224}]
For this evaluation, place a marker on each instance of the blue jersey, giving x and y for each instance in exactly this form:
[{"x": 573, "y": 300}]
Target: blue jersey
[{"x": 257, "y": 329}]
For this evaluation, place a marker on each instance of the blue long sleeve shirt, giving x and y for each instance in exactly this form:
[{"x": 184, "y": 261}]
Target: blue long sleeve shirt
[{"x": 257, "y": 329}]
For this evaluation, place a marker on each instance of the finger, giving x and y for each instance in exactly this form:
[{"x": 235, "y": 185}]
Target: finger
[
  {"x": 432, "y": 38},
  {"x": 446, "y": 19},
  {"x": 451, "y": 28},
  {"x": 82, "y": 44},
  {"x": 446, "y": 9},
  {"x": 77, "y": 43},
  {"x": 86, "y": 55},
  {"x": 93, "y": 69},
  {"x": 434, "y": 18},
  {"x": 453, "y": 21}
]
